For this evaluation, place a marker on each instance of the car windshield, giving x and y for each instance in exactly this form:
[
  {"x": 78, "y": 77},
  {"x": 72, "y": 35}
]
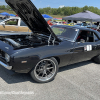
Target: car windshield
[{"x": 68, "y": 33}]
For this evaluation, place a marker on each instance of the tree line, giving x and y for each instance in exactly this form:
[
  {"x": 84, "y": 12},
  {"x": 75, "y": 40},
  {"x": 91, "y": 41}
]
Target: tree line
[
  {"x": 66, "y": 11},
  {"x": 5, "y": 7}
]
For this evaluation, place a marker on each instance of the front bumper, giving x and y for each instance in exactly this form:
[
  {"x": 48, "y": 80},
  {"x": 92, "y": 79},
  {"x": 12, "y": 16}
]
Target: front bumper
[
  {"x": 3, "y": 61},
  {"x": 5, "y": 65}
]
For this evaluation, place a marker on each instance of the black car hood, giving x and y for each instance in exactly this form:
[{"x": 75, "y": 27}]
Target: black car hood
[{"x": 31, "y": 16}]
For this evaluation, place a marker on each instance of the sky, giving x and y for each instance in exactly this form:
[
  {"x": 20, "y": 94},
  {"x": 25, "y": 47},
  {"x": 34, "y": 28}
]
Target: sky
[{"x": 61, "y": 3}]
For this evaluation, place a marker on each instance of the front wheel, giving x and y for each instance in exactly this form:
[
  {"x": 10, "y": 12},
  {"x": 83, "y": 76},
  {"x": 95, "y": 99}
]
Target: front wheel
[{"x": 45, "y": 70}]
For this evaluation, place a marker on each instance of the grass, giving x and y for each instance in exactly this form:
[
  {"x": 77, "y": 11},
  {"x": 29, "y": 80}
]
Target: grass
[
  {"x": 12, "y": 23},
  {"x": 10, "y": 12}
]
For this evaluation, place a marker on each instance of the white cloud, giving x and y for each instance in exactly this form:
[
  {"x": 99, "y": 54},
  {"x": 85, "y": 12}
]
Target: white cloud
[
  {"x": 47, "y": 5},
  {"x": 61, "y": 6}
]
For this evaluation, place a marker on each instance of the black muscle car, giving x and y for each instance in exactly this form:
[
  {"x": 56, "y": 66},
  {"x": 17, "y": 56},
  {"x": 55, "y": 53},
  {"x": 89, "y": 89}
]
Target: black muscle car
[{"x": 43, "y": 51}]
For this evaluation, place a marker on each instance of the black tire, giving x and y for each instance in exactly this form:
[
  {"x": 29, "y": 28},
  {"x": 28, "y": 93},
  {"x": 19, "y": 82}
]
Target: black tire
[
  {"x": 97, "y": 59},
  {"x": 45, "y": 70}
]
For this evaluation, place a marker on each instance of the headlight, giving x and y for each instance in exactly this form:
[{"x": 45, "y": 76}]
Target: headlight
[{"x": 7, "y": 57}]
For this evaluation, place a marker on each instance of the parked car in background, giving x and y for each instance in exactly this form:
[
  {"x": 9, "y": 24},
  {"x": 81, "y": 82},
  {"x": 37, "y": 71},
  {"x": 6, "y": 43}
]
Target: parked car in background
[
  {"x": 70, "y": 24},
  {"x": 64, "y": 23},
  {"x": 13, "y": 24},
  {"x": 82, "y": 25},
  {"x": 50, "y": 23},
  {"x": 94, "y": 27},
  {"x": 88, "y": 25},
  {"x": 2, "y": 17},
  {"x": 59, "y": 23}
]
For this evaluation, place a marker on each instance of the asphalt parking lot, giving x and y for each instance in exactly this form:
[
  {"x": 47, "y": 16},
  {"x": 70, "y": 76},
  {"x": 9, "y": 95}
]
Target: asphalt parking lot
[{"x": 79, "y": 81}]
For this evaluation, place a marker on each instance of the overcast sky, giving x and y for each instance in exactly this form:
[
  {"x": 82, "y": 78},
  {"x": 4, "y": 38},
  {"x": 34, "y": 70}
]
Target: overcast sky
[{"x": 58, "y": 3}]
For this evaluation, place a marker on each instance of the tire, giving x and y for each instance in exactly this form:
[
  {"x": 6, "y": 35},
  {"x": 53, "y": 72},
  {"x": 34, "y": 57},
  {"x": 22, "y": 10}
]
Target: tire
[
  {"x": 45, "y": 70},
  {"x": 97, "y": 59}
]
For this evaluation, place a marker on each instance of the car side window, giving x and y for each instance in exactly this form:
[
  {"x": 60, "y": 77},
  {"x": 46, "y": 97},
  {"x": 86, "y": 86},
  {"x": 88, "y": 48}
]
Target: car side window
[
  {"x": 22, "y": 24},
  {"x": 85, "y": 36},
  {"x": 11, "y": 22},
  {"x": 95, "y": 38}
]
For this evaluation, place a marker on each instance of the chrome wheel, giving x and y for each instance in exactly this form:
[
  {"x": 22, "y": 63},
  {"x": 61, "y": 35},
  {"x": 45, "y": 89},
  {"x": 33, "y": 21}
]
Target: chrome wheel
[{"x": 45, "y": 70}]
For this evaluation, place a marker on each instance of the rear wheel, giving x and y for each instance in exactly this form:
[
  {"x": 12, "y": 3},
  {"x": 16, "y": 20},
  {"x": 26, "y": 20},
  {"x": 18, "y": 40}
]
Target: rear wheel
[{"x": 45, "y": 70}]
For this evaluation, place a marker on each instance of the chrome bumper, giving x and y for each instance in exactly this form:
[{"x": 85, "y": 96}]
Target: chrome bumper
[{"x": 6, "y": 66}]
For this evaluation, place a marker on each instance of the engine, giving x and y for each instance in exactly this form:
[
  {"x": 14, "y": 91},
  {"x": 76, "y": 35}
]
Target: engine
[{"x": 25, "y": 41}]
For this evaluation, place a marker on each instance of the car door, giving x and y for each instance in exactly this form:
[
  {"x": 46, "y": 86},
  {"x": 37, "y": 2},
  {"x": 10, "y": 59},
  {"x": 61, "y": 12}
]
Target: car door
[
  {"x": 84, "y": 50},
  {"x": 23, "y": 27},
  {"x": 9, "y": 25}
]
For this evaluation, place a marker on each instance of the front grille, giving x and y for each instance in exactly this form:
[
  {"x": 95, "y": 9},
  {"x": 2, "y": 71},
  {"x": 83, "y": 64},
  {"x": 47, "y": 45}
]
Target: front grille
[
  {"x": 3, "y": 57},
  {"x": 2, "y": 54}
]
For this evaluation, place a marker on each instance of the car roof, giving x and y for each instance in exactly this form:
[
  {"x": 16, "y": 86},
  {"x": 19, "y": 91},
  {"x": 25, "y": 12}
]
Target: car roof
[
  {"x": 14, "y": 18},
  {"x": 80, "y": 28}
]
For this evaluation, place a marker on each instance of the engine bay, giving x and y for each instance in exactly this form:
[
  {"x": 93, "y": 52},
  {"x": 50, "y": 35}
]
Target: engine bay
[{"x": 22, "y": 41}]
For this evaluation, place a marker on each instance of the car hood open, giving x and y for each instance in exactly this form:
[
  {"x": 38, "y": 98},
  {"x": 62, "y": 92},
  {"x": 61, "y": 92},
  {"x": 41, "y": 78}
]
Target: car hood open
[{"x": 31, "y": 16}]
